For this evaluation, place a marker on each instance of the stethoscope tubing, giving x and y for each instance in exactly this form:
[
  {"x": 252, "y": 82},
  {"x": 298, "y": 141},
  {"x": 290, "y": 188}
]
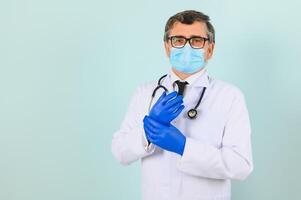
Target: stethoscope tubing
[{"x": 192, "y": 113}]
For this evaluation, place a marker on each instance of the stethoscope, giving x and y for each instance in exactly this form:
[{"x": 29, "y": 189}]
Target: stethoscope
[{"x": 192, "y": 113}]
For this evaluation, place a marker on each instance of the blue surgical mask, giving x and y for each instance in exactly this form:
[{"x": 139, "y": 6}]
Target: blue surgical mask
[{"x": 187, "y": 59}]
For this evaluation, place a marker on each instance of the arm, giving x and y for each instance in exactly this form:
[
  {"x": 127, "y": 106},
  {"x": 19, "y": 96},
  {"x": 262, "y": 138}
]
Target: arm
[
  {"x": 128, "y": 144},
  {"x": 233, "y": 160}
]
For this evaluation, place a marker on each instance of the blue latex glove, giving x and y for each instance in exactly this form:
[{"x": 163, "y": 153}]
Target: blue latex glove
[
  {"x": 167, "y": 107},
  {"x": 167, "y": 137}
]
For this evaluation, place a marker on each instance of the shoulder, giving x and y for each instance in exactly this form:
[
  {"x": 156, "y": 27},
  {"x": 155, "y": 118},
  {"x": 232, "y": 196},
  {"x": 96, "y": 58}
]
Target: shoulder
[
  {"x": 228, "y": 89},
  {"x": 145, "y": 88},
  {"x": 142, "y": 95},
  {"x": 147, "y": 85}
]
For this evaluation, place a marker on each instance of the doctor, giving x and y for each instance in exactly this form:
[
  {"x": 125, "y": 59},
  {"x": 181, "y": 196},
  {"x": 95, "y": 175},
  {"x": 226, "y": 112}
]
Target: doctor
[{"x": 193, "y": 133}]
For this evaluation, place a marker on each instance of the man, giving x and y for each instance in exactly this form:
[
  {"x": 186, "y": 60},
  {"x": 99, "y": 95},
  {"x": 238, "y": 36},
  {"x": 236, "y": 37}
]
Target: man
[{"x": 196, "y": 137}]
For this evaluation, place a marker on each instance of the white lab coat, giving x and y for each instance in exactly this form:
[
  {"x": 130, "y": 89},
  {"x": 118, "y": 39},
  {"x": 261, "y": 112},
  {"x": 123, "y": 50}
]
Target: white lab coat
[{"x": 218, "y": 143}]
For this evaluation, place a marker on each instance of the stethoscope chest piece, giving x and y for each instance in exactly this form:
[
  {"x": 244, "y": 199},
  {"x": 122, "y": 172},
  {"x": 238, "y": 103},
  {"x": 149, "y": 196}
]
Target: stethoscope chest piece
[{"x": 192, "y": 113}]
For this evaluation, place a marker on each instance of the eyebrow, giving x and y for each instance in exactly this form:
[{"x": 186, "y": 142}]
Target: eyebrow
[{"x": 191, "y": 36}]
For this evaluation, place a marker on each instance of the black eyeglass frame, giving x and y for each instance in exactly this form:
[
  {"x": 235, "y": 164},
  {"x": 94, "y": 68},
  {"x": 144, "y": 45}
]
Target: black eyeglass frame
[{"x": 188, "y": 39}]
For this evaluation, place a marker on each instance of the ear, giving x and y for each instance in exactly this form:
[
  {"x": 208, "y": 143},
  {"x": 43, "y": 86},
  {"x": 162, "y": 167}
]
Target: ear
[
  {"x": 210, "y": 50},
  {"x": 167, "y": 49}
]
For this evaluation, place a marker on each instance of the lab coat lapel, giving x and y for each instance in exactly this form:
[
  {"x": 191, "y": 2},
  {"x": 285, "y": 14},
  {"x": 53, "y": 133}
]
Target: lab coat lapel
[
  {"x": 202, "y": 81},
  {"x": 196, "y": 89}
]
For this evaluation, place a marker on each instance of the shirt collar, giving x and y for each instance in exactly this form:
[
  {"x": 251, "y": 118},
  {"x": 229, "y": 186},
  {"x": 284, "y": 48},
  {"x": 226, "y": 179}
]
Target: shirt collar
[{"x": 199, "y": 79}]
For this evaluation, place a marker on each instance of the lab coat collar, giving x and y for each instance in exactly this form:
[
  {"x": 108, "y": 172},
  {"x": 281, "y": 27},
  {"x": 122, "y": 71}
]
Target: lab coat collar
[{"x": 199, "y": 79}]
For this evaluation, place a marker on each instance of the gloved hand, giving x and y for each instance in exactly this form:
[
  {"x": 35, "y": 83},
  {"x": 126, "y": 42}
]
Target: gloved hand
[
  {"x": 167, "y": 107},
  {"x": 167, "y": 137}
]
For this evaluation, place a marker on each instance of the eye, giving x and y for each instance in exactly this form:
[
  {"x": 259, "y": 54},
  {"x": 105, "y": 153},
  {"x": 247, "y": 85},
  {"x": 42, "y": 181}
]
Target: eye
[
  {"x": 178, "y": 41},
  {"x": 197, "y": 42}
]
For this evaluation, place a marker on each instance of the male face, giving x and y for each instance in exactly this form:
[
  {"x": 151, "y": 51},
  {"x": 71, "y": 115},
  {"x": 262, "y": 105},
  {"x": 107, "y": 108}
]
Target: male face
[{"x": 196, "y": 29}]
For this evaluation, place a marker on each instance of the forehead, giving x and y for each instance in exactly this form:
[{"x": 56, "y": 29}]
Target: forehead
[{"x": 188, "y": 30}]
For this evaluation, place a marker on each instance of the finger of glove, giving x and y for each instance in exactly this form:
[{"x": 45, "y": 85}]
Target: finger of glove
[
  {"x": 159, "y": 101},
  {"x": 144, "y": 119},
  {"x": 169, "y": 97},
  {"x": 161, "y": 117},
  {"x": 175, "y": 113},
  {"x": 173, "y": 108},
  {"x": 161, "y": 98},
  {"x": 146, "y": 122},
  {"x": 175, "y": 101},
  {"x": 153, "y": 124},
  {"x": 178, "y": 111},
  {"x": 150, "y": 134},
  {"x": 147, "y": 127}
]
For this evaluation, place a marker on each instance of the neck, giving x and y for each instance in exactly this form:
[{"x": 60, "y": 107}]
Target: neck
[{"x": 182, "y": 75}]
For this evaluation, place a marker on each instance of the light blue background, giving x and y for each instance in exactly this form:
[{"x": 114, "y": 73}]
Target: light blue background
[{"x": 68, "y": 70}]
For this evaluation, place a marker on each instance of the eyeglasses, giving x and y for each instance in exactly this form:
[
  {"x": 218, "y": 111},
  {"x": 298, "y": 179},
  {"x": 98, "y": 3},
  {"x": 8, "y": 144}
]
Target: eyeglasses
[{"x": 195, "y": 42}]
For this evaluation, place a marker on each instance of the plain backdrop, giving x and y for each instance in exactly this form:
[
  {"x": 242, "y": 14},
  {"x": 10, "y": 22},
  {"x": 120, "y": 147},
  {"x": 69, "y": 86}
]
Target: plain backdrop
[{"x": 68, "y": 69}]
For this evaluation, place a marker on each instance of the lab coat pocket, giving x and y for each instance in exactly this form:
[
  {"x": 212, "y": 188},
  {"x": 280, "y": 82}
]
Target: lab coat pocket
[
  {"x": 207, "y": 127},
  {"x": 199, "y": 188}
]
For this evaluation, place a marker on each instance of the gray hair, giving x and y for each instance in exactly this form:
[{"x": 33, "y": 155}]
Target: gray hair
[{"x": 189, "y": 17}]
